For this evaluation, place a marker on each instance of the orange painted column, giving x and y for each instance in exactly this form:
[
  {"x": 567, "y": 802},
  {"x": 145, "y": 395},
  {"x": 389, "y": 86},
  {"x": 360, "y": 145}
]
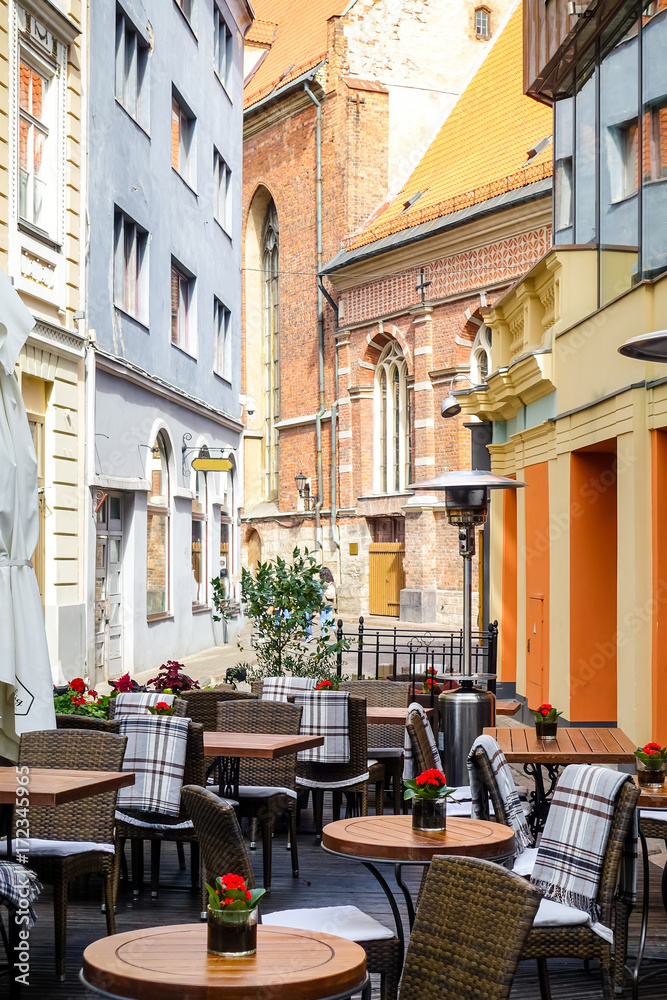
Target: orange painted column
[
  {"x": 593, "y": 559},
  {"x": 508, "y": 596},
  {"x": 659, "y": 547},
  {"x": 537, "y": 583}
]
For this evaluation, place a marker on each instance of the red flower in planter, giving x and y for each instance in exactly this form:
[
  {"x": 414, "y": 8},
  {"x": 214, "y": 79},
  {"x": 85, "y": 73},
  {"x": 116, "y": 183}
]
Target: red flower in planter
[
  {"x": 431, "y": 777},
  {"x": 78, "y": 684},
  {"x": 323, "y": 686},
  {"x": 78, "y": 699}
]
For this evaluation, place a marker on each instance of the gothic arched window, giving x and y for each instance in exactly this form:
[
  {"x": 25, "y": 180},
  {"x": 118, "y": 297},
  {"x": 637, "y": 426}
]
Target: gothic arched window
[
  {"x": 391, "y": 409},
  {"x": 270, "y": 267},
  {"x": 480, "y": 356}
]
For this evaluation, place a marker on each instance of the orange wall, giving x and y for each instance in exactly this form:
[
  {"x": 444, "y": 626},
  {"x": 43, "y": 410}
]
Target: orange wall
[
  {"x": 508, "y": 600},
  {"x": 659, "y": 645},
  {"x": 537, "y": 560},
  {"x": 593, "y": 586}
]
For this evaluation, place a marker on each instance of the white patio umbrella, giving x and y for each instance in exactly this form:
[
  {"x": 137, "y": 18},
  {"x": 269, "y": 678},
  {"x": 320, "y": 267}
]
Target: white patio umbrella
[{"x": 26, "y": 688}]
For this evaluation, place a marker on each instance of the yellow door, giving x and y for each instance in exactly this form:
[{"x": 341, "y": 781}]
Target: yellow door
[{"x": 386, "y": 578}]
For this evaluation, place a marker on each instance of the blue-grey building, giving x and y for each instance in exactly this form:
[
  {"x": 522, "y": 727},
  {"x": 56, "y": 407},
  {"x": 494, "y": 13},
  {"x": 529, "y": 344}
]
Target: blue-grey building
[{"x": 163, "y": 291}]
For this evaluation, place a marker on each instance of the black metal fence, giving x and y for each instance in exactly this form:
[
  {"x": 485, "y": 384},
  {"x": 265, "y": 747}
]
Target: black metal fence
[{"x": 403, "y": 655}]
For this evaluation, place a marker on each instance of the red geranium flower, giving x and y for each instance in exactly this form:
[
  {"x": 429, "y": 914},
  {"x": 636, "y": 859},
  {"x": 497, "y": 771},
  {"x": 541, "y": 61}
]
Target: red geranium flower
[
  {"x": 92, "y": 693},
  {"x": 78, "y": 699},
  {"x": 323, "y": 685},
  {"x": 78, "y": 684}
]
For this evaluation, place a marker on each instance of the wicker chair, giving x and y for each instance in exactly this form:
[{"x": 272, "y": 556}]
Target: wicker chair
[
  {"x": 330, "y": 776},
  {"x": 89, "y": 820},
  {"x": 545, "y": 942},
  {"x": 157, "y": 832},
  {"x": 87, "y": 722},
  {"x": 385, "y": 742},
  {"x": 421, "y": 748},
  {"x": 277, "y": 778},
  {"x": 223, "y": 850},
  {"x": 469, "y": 932},
  {"x": 202, "y": 707}
]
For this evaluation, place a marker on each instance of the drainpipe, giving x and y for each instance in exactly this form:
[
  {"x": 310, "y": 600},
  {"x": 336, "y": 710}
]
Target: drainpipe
[
  {"x": 335, "y": 538},
  {"x": 320, "y": 319}
]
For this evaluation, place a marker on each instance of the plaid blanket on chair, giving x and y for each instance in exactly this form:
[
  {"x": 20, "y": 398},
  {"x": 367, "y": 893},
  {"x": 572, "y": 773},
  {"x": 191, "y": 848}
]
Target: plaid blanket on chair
[
  {"x": 506, "y": 787},
  {"x": 156, "y": 753},
  {"x": 19, "y": 885},
  {"x": 138, "y": 702},
  {"x": 325, "y": 713},
  {"x": 408, "y": 761},
  {"x": 571, "y": 852},
  {"x": 277, "y": 688}
]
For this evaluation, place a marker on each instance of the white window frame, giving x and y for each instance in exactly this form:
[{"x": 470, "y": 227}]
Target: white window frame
[
  {"x": 480, "y": 356},
  {"x": 47, "y": 127},
  {"x": 223, "y": 49},
  {"x": 222, "y": 188},
  {"x": 384, "y": 411},
  {"x": 131, "y": 84},
  {"x": 186, "y": 166},
  {"x": 222, "y": 326},
  {"x": 186, "y": 333},
  {"x": 482, "y": 21},
  {"x": 130, "y": 279}
]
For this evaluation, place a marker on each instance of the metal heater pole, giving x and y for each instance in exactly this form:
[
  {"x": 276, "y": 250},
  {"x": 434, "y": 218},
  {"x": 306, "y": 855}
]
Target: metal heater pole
[{"x": 467, "y": 549}]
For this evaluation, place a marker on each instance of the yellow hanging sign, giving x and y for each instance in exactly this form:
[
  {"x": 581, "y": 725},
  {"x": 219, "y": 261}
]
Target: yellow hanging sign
[{"x": 211, "y": 464}]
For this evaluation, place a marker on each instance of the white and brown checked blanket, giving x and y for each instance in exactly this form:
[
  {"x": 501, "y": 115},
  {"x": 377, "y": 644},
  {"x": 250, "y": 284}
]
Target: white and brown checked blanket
[
  {"x": 19, "y": 888},
  {"x": 138, "y": 702},
  {"x": 571, "y": 852},
  {"x": 408, "y": 759},
  {"x": 156, "y": 753},
  {"x": 277, "y": 688},
  {"x": 506, "y": 787},
  {"x": 325, "y": 713}
]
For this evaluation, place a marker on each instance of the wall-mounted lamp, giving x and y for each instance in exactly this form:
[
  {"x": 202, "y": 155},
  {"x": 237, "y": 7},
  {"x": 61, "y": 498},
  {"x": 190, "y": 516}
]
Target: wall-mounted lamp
[
  {"x": 310, "y": 500},
  {"x": 450, "y": 406},
  {"x": 646, "y": 347}
]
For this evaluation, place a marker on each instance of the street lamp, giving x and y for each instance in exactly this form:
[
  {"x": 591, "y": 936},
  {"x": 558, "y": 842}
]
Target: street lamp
[
  {"x": 465, "y": 712},
  {"x": 450, "y": 406},
  {"x": 310, "y": 500},
  {"x": 646, "y": 347}
]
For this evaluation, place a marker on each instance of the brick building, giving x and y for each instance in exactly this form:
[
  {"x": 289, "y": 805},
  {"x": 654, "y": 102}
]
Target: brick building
[{"x": 365, "y": 356}]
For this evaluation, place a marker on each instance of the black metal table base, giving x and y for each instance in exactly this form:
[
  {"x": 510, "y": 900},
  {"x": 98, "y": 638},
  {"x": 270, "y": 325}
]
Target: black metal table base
[
  {"x": 540, "y": 799},
  {"x": 635, "y": 972},
  {"x": 227, "y": 771}
]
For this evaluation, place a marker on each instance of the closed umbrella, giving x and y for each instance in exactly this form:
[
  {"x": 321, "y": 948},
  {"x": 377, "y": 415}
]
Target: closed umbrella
[{"x": 26, "y": 688}]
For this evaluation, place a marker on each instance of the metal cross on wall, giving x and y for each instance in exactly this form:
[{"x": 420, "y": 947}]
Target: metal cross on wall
[{"x": 422, "y": 285}]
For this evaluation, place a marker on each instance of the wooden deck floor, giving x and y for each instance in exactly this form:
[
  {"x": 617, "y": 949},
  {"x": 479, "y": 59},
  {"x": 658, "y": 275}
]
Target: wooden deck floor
[{"x": 323, "y": 880}]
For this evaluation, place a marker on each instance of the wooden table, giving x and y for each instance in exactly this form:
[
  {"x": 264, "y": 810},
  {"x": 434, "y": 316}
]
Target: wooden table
[
  {"x": 228, "y": 748},
  {"x": 169, "y": 963},
  {"x": 391, "y": 716},
  {"x": 377, "y": 840},
  {"x": 572, "y": 746}
]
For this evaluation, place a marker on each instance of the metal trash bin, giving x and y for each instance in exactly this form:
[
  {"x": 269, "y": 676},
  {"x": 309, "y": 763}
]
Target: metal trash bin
[{"x": 463, "y": 716}]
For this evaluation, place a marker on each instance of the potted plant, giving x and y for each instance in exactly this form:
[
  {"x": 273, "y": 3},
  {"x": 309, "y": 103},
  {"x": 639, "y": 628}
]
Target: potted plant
[
  {"x": 79, "y": 699},
  {"x": 326, "y": 685},
  {"x": 546, "y": 721},
  {"x": 232, "y": 916},
  {"x": 171, "y": 679},
  {"x": 162, "y": 708},
  {"x": 430, "y": 793},
  {"x": 651, "y": 764}
]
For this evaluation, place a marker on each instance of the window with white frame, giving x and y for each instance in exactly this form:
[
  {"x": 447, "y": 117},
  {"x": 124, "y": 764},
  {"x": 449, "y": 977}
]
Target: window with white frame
[
  {"x": 271, "y": 282},
  {"x": 391, "y": 415},
  {"x": 186, "y": 7},
  {"x": 182, "y": 145},
  {"x": 131, "y": 69},
  {"x": 480, "y": 355},
  {"x": 130, "y": 267},
  {"x": 222, "y": 327},
  {"x": 222, "y": 192},
  {"x": 223, "y": 48},
  {"x": 182, "y": 311},
  {"x": 482, "y": 26},
  {"x": 37, "y": 148},
  {"x": 157, "y": 530}
]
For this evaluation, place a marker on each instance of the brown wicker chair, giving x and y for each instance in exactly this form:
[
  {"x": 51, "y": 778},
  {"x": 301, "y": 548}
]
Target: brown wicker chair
[
  {"x": 469, "y": 932},
  {"x": 266, "y": 717},
  {"x": 223, "y": 850},
  {"x": 385, "y": 742},
  {"x": 580, "y": 941},
  {"x": 87, "y": 722},
  {"x": 157, "y": 832},
  {"x": 483, "y": 764},
  {"x": 329, "y": 776},
  {"x": 202, "y": 707},
  {"x": 421, "y": 748},
  {"x": 88, "y": 820}
]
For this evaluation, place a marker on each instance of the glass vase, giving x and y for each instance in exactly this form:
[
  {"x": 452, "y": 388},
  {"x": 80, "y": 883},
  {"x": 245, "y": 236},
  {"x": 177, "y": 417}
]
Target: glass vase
[
  {"x": 429, "y": 815},
  {"x": 650, "y": 777},
  {"x": 546, "y": 730},
  {"x": 232, "y": 933}
]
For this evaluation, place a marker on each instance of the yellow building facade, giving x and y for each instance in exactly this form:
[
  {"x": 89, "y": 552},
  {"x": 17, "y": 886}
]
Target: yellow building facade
[{"x": 42, "y": 53}]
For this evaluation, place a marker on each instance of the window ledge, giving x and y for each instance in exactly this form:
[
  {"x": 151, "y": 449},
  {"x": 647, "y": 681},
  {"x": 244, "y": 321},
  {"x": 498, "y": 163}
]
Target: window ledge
[
  {"x": 177, "y": 347},
  {"x": 223, "y": 378},
  {"x": 160, "y": 616},
  {"x": 38, "y": 234},
  {"x": 224, "y": 229},
  {"x": 192, "y": 30},
  {"x": 182, "y": 178},
  {"x": 142, "y": 128},
  {"x": 225, "y": 88},
  {"x": 135, "y": 319},
  {"x": 200, "y": 609}
]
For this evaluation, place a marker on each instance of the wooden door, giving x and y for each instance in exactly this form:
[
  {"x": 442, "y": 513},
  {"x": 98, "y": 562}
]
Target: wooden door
[
  {"x": 386, "y": 578},
  {"x": 254, "y": 552},
  {"x": 535, "y": 652}
]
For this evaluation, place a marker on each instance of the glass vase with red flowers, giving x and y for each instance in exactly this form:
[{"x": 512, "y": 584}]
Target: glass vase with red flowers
[
  {"x": 232, "y": 916},
  {"x": 429, "y": 793},
  {"x": 546, "y": 721},
  {"x": 651, "y": 765}
]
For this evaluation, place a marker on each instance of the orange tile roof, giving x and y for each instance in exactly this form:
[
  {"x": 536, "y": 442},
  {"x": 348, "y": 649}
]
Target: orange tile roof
[
  {"x": 261, "y": 32},
  {"x": 481, "y": 149},
  {"x": 300, "y": 42}
]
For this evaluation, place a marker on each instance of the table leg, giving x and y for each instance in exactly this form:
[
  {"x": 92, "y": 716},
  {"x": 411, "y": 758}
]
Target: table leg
[
  {"x": 542, "y": 796},
  {"x": 398, "y": 870},
  {"x": 400, "y": 934},
  {"x": 228, "y": 777}
]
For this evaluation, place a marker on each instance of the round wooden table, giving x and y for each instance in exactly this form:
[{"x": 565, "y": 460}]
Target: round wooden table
[
  {"x": 171, "y": 963},
  {"x": 377, "y": 840}
]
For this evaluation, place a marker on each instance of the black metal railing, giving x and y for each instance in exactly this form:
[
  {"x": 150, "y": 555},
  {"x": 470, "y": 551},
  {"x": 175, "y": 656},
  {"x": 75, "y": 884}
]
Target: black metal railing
[{"x": 404, "y": 655}]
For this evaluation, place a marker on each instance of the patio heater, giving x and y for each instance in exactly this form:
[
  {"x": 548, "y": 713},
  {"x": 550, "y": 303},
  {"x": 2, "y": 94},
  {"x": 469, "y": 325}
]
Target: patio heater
[{"x": 465, "y": 712}]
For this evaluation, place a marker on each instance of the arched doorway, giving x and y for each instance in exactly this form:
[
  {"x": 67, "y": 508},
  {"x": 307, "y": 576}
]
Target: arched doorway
[{"x": 254, "y": 551}]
